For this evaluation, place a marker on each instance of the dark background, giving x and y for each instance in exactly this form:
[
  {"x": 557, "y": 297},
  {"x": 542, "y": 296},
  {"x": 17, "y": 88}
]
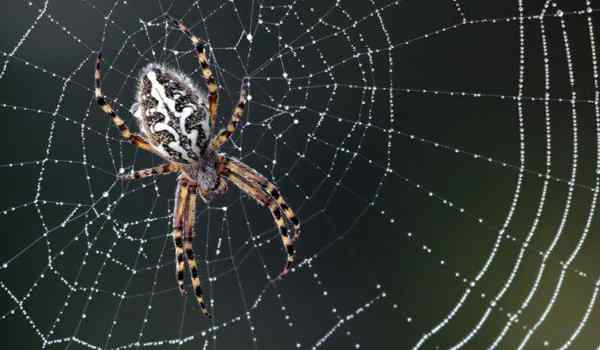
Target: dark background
[{"x": 406, "y": 192}]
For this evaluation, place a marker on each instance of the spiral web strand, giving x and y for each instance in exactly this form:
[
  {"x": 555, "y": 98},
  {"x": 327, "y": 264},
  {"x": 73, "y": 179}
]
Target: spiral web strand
[{"x": 443, "y": 159}]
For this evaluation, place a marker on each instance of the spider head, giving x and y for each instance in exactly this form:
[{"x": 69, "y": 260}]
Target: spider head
[{"x": 207, "y": 177}]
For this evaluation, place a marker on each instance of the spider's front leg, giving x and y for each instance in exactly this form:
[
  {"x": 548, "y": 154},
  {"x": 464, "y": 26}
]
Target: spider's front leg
[
  {"x": 183, "y": 235},
  {"x": 265, "y": 193},
  {"x": 188, "y": 228},
  {"x": 252, "y": 176},
  {"x": 181, "y": 199}
]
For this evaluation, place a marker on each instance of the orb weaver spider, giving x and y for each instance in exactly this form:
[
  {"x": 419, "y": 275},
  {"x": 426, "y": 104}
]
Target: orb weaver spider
[{"x": 177, "y": 122}]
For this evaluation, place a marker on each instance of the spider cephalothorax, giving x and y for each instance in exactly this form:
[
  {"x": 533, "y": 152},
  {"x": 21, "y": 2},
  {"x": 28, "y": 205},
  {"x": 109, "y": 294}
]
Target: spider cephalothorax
[
  {"x": 177, "y": 122},
  {"x": 206, "y": 173}
]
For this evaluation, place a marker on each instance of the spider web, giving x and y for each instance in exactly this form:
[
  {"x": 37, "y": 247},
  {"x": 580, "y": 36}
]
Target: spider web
[{"x": 442, "y": 158}]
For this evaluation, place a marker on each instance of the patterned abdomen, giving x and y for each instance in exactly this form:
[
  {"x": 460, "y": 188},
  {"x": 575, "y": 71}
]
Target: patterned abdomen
[{"x": 172, "y": 113}]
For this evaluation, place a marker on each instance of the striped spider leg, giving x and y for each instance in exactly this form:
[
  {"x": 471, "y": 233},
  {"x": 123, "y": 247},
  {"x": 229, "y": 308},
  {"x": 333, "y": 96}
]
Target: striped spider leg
[
  {"x": 268, "y": 195},
  {"x": 187, "y": 226},
  {"x": 207, "y": 74},
  {"x": 107, "y": 108}
]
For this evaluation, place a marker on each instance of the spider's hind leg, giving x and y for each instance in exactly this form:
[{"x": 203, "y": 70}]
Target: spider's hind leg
[
  {"x": 209, "y": 79},
  {"x": 118, "y": 121},
  {"x": 224, "y": 134}
]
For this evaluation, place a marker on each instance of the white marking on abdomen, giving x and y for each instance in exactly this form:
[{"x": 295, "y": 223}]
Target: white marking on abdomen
[{"x": 164, "y": 106}]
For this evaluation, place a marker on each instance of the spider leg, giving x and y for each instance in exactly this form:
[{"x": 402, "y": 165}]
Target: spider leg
[
  {"x": 189, "y": 250},
  {"x": 181, "y": 198},
  {"x": 209, "y": 79},
  {"x": 225, "y": 134},
  {"x": 267, "y": 186},
  {"x": 162, "y": 169},
  {"x": 118, "y": 121},
  {"x": 254, "y": 190}
]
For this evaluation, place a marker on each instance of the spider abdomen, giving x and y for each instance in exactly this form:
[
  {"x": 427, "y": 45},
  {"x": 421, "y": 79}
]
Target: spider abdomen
[{"x": 172, "y": 113}]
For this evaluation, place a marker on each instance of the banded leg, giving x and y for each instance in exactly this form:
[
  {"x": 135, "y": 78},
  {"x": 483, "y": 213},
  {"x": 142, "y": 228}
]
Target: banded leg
[
  {"x": 118, "y": 121},
  {"x": 267, "y": 186},
  {"x": 189, "y": 250},
  {"x": 225, "y": 134},
  {"x": 266, "y": 200},
  {"x": 209, "y": 79},
  {"x": 181, "y": 198},
  {"x": 162, "y": 169}
]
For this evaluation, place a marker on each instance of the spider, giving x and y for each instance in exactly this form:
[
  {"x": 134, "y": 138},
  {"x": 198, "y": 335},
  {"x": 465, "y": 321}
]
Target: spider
[{"x": 177, "y": 122}]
